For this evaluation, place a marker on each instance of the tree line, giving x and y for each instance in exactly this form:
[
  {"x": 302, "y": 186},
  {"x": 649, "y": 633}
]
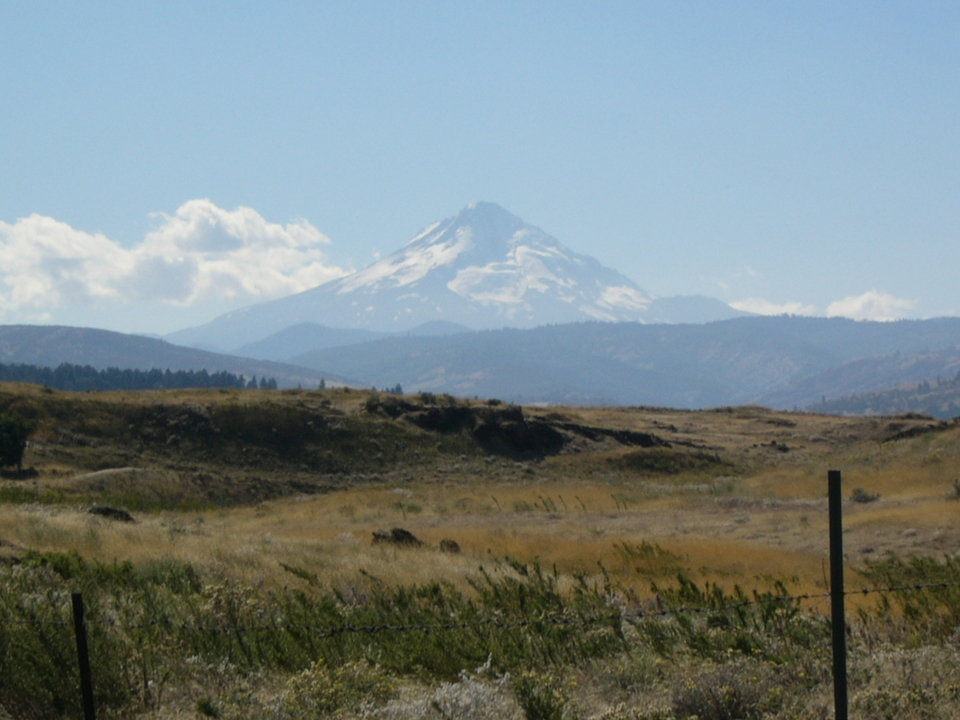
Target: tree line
[
  {"x": 85, "y": 377},
  {"x": 940, "y": 398}
]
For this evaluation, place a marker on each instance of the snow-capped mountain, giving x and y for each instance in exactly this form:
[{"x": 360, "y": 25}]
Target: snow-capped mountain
[
  {"x": 498, "y": 268},
  {"x": 484, "y": 268}
]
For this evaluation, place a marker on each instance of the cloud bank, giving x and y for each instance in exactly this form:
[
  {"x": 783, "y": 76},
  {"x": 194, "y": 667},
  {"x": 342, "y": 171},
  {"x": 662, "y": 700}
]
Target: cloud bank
[
  {"x": 872, "y": 305},
  {"x": 201, "y": 255},
  {"x": 765, "y": 307}
]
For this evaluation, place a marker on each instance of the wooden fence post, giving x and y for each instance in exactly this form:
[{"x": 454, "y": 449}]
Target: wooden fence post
[
  {"x": 83, "y": 656},
  {"x": 838, "y": 623}
]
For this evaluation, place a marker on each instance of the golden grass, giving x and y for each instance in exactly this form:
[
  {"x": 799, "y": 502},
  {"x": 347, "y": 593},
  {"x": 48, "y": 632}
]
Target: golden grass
[
  {"x": 329, "y": 536},
  {"x": 924, "y": 513},
  {"x": 763, "y": 515}
]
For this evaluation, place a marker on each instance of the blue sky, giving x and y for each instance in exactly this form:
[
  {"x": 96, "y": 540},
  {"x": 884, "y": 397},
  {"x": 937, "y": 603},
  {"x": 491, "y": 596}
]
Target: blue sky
[{"x": 163, "y": 162}]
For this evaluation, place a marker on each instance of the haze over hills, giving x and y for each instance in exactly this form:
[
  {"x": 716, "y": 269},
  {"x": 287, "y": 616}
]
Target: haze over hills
[
  {"x": 484, "y": 268},
  {"x": 925, "y": 382},
  {"x": 766, "y": 360},
  {"x": 51, "y": 345},
  {"x": 583, "y": 334},
  {"x": 781, "y": 362},
  {"x": 306, "y": 337},
  {"x": 939, "y": 397}
]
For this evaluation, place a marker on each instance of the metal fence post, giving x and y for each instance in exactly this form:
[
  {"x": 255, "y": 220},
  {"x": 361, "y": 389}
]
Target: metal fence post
[
  {"x": 836, "y": 597},
  {"x": 83, "y": 656}
]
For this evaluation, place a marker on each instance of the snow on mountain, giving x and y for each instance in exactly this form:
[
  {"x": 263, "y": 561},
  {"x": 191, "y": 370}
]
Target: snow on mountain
[
  {"x": 484, "y": 268},
  {"x": 515, "y": 272}
]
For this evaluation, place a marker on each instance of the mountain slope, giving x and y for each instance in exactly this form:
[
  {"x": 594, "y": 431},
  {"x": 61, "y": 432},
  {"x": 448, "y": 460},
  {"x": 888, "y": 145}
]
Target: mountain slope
[
  {"x": 891, "y": 377},
  {"x": 50, "y": 345},
  {"x": 484, "y": 268},
  {"x": 690, "y": 366},
  {"x": 304, "y": 337},
  {"x": 939, "y": 398}
]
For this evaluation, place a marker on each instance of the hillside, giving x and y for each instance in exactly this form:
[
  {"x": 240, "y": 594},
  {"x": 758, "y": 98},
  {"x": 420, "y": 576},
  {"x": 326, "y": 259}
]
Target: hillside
[
  {"x": 938, "y": 398},
  {"x": 302, "y": 338},
  {"x": 51, "y": 345},
  {"x": 768, "y": 360},
  {"x": 229, "y": 445},
  {"x": 781, "y": 362}
]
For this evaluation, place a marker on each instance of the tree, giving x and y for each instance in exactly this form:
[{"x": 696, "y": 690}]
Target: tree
[{"x": 14, "y": 432}]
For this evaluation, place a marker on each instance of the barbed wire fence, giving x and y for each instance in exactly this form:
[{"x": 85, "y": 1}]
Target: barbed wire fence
[
  {"x": 630, "y": 615},
  {"x": 652, "y": 609},
  {"x": 633, "y": 616}
]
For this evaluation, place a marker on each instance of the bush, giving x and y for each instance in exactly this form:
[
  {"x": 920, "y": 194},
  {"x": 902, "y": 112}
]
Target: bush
[
  {"x": 766, "y": 624},
  {"x": 741, "y": 691},
  {"x": 14, "y": 432},
  {"x": 540, "y": 696},
  {"x": 932, "y": 607},
  {"x": 322, "y": 691}
]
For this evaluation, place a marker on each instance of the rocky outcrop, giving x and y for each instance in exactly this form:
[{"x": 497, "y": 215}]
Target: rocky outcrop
[{"x": 396, "y": 536}]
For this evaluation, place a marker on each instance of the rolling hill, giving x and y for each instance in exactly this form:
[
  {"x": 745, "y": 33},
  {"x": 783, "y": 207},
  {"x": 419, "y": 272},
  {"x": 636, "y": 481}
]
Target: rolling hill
[{"x": 50, "y": 345}]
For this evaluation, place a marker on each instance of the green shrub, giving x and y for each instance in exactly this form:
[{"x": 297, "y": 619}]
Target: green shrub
[
  {"x": 323, "y": 691},
  {"x": 539, "y": 696},
  {"x": 14, "y": 431},
  {"x": 768, "y": 624},
  {"x": 741, "y": 691},
  {"x": 925, "y": 598}
]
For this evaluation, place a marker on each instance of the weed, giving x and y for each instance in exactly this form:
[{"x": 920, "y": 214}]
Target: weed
[
  {"x": 927, "y": 602},
  {"x": 765, "y": 624},
  {"x": 207, "y": 707},
  {"x": 737, "y": 691},
  {"x": 648, "y": 558},
  {"x": 322, "y": 691},
  {"x": 540, "y": 696}
]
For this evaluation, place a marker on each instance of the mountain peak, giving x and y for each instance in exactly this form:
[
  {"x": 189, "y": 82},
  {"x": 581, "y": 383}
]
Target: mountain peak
[
  {"x": 486, "y": 221},
  {"x": 485, "y": 208},
  {"x": 488, "y": 267},
  {"x": 483, "y": 267}
]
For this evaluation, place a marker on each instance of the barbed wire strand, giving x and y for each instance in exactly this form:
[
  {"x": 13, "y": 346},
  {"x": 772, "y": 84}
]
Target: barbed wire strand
[{"x": 637, "y": 614}]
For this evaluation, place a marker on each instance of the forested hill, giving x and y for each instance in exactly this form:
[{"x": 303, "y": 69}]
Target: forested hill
[
  {"x": 85, "y": 377},
  {"x": 51, "y": 345},
  {"x": 939, "y": 398}
]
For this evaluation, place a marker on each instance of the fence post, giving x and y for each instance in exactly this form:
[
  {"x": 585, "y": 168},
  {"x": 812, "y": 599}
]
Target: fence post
[
  {"x": 83, "y": 656},
  {"x": 836, "y": 597}
]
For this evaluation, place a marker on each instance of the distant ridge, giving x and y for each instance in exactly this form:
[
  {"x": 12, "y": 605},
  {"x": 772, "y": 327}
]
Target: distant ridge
[
  {"x": 304, "y": 337},
  {"x": 775, "y": 361},
  {"x": 764, "y": 360},
  {"x": 51, "y": 345},
  {"x": 307, "y": 337}
]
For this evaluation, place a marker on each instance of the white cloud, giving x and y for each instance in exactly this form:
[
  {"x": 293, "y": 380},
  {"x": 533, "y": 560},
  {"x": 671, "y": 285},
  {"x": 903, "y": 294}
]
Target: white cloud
[
  {"x": 765, "y": 307},
  {"x": 234, "y": 254},
  {"x": 872, "y": 305},
  {"x": 46, "y": 264},
  {"x": 200, "y": 254}
]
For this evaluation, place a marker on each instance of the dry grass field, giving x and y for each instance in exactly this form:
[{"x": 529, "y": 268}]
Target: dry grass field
[{"x": 280, "y": 492}]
